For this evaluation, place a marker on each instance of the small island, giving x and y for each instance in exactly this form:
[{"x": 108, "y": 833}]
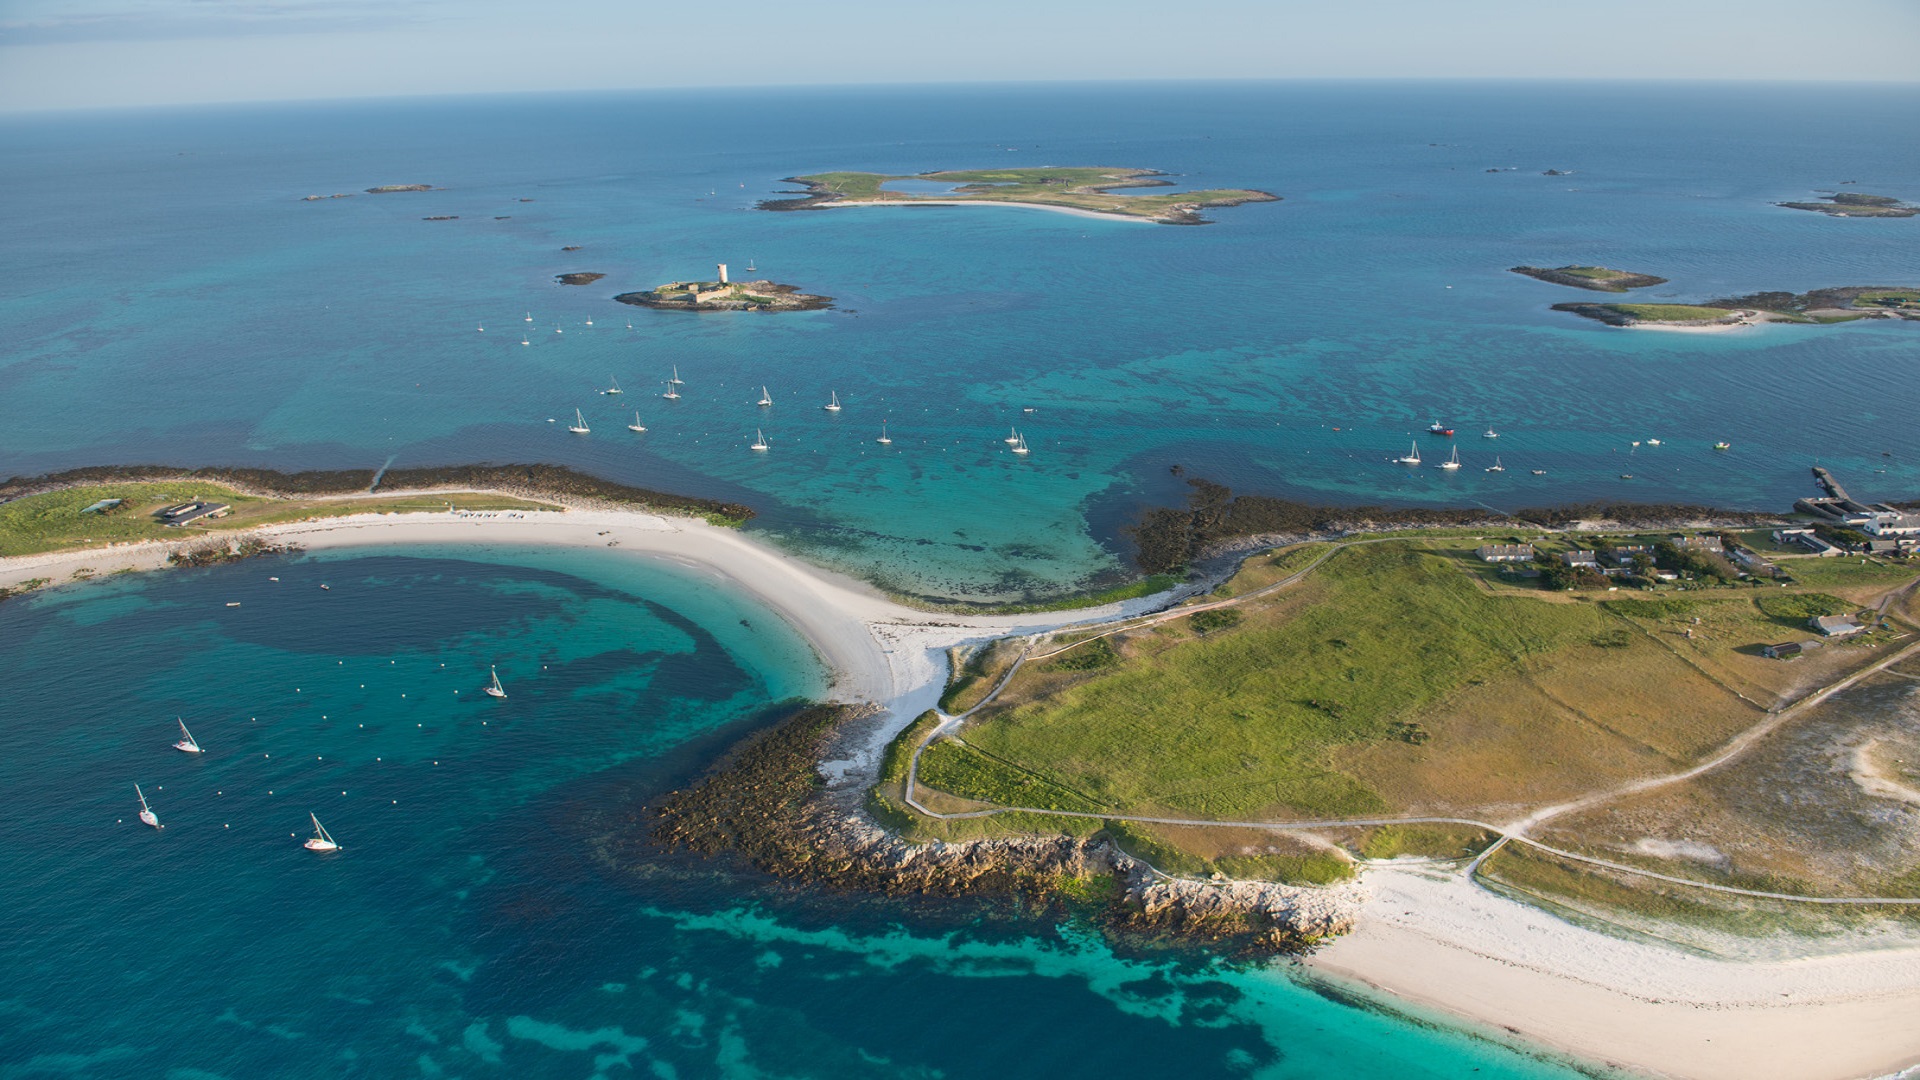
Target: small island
[
  {"x": 389, "y": 189},
  {"x": 1856, "y": 204},
  {"x": 726, "y": 295},
  {"x": 1818, "y": 307},
  {"x": 1081, "y": 190},
  {"x": 580, "y": 278},
  {"x": 1597, "y": 278}
]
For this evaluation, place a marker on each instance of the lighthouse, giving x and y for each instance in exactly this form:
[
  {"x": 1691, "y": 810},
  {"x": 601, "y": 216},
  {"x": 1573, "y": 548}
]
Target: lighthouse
[{"x": 723, "y": 273}]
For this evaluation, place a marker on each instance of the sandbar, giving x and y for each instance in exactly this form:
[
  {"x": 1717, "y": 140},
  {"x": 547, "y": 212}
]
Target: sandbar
[{"x": 1074, "y": 210}]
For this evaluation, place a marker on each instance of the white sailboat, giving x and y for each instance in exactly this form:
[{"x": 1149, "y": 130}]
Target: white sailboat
[
  {"x": 589, "y": 322},
  {"x": 147, "y": 816},
  {"x": 579, "y": 426},
  {"x": 1452, "y": 462},
  {"x": 1020, "y": 443},
  {"x": 677, "y": 380},
  {"x": 613, "y": 386},
  {"x": 751, "y": 269},
  {"x": 186, "y": 743},
  {"x": 766, "y": 399},
  {"x": 1496, "y": 466},
  {"x": 833, "y": 402},
  {"x": 320, "y": 841},
  {"x": 493, "y": 688},
  {"x": 759, "y": 440},
  {"x": 481, "y": 328},
  {"x": 1413, "y": 455},
  {"x": 883, "y": 440},
  {"x": 524, "y": 340},
  {"x": 529, "y": 316},
  {"x": 636, "y": 425},
  {"x": 1013, "y": 436},
  {"x": 557, "y": 330}
]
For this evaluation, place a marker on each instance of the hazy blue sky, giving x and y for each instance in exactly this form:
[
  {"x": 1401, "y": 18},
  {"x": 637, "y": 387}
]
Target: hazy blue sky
[{"x": 63, "y": 53}]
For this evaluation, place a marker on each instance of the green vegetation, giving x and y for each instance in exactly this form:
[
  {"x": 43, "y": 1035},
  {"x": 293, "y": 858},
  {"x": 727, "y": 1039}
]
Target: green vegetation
[
  {"x": 1438, "y": 840},
  {"x": 1132, "y": 590},
  {"x": 972, "y": 680},
  {"x": 1164, "y": 849},
  {"x": 1598, "y": 278},
  {"x": 52, "y": 521},
  {"x": 1078, "y": 188},
  {"x": 1794, "y": 609},
  {"x": 953, "y": 766},
  {"x": 1680, "y": 313}
]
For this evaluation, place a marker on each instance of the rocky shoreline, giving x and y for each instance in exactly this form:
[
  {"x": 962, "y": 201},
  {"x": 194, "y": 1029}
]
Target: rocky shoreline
[
  {"x": 769, "y": 803},
  {"x": 726, "y": 296}
]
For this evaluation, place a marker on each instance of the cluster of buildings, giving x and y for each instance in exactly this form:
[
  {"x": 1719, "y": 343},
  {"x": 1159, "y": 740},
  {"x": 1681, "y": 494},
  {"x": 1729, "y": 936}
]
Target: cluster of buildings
[
  {"x": 1829, "y": 627},
  {"x": 1890, "y": 530}
]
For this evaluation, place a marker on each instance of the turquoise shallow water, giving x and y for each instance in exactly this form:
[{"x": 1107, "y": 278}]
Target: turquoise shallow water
[
  {"x": 169, "y": 297},
  {"x": 465, "y": 929}
]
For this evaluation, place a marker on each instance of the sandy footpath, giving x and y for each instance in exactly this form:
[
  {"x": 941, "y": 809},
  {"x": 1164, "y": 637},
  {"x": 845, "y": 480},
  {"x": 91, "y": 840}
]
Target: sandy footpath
[{"x": 1452, "y": 948}]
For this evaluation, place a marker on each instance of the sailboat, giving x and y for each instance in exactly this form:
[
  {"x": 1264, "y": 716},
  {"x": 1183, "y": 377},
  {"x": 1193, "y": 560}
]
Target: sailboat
[
  {"x": 186, "y": 742},
  {"x": 759, "y": 440},
  {"x": 557, "y": 330},
  {"x": 673, "y": 392},
  {"x": 751, "y": 269},
  {"x": 833, "y": 402},
  {"x": 1452, "y": 462},
  {"x": 1020, "y": 443},
  {"x": 613, "y": 386},
  {"x": 494, "y": 689},
  {"x": 146, "y": 812},
  {"x": 1496, "y": 466},
  {"x": 1013, "y": 436},
  {"x": 579, "y": 424},
  {"x": 320, "y": 841},
  {"x": 677, "y": 380},
  {"x": 1413, "y": 456},
  {"x": 482, "y": 329},
  {"x": 524, "y": 340},
  {"x": 636, "y": 425},
  {"x": 766, "y": 400},
  {"x": 589, "y": 322},
  {"x": 883, "y": 440},
  {"x": 529, "y": 316}
]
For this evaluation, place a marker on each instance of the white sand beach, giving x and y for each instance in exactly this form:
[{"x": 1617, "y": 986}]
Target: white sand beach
[{"x": 1433, "y": 941}]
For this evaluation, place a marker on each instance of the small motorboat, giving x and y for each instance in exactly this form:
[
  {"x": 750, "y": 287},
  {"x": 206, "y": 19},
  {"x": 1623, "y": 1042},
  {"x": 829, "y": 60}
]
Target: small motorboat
[{"x": 1438, "y": 428}]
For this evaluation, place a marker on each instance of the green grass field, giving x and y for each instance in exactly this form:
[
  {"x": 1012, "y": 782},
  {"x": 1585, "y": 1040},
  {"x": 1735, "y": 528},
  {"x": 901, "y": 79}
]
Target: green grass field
[
  {"x": 1102, "y": 189},
  {"x": 1670, "y": 312},
  {"x": 53, "y": 521}
]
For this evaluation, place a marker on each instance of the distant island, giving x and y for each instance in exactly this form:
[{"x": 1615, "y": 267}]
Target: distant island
[
  {"x": 1082, "y": 190},
  {"x": 1597, "y": 278},
  {"x": 1820, "y": 307},
  {"x": 389, "y": 189},
  {"x": 726, "y": 295},
  {"x": 1856, "y": 204},
  {"x": 581, "y": 278}
]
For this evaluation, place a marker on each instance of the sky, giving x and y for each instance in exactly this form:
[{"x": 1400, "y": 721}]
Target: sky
[{"x": 58, "y": 54}]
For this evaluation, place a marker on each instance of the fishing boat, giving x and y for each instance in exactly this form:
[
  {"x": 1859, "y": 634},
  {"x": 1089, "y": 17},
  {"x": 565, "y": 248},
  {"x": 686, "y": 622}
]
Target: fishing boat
[
  {"x": 1489, "y": 434},
  {"x": 1012, "y": 437},
  {"x": 1438, "y": 428},
  {"x": 883, "y": 440},
  {"x": 1539, "y": 472},
  {"x": 759, "y": 440},
  {"x": 493, "y": 688},
  {"x": 320, "y": 841},
  {"x": 147, "y": 816},
  {"x": 1653, "y": 442},
  {"x": 766, "y": 399},
  {"x": 186, "y": 743},
  {"x": 1452, "y": 462},
  {"x": 579, "y": 426},
  {"x": 833, "y": 402},
  {"x": 1496, "y": 466},
  {"x": 1412, "y": 458},
  {"x": 1723, "y": 446},
  {"x": 636, "y": 425},
  {"x": 1626, "y": 476},
  {"x": 1020, "y": 443},
  {"x": 613, "y": 386}
]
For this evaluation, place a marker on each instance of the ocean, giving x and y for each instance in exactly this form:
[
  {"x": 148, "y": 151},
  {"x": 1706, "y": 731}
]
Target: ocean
[{"x": 171, "y": 298}]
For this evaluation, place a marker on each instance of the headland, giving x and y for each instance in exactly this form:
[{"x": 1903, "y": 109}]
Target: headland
[
  {"x": 1090, "y": 191},
  {"x": 1820, "y": 307}
]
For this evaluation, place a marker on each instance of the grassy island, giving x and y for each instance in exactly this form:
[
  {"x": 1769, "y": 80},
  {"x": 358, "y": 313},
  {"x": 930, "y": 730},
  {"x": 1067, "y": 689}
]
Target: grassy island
[
  {"x": 726, "y": 296},
  {"x": 1389, "y": 696},
  {"x": 1820, "y": 306},
  {"x": 1856, "y": 204},
  {"x": 1597, "y": 278},
  {"x": 1091, "y": 190}
]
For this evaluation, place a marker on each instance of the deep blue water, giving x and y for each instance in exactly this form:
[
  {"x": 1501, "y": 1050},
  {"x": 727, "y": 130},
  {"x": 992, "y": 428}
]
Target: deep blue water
[
  {"x": 168, "y": 297},
  {"x": 466, "y": 928}
]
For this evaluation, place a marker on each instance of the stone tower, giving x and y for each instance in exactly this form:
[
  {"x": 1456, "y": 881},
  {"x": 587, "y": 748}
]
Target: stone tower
[{"x": 723, "y": 273}]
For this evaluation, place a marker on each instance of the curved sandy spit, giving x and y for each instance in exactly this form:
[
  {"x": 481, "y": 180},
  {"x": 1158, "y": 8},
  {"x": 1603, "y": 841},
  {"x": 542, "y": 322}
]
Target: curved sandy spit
[
  {"x": 1074, "y": 210},
  {"x": 1432, "y": 941}
]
